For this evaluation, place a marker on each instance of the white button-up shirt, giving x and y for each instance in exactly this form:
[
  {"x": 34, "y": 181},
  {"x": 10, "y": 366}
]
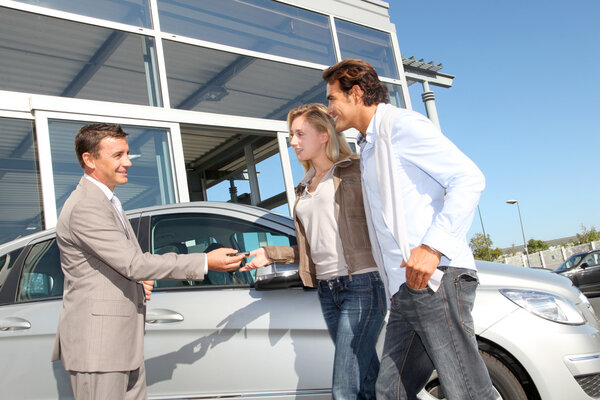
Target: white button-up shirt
[{"x": 440, "y": 188}]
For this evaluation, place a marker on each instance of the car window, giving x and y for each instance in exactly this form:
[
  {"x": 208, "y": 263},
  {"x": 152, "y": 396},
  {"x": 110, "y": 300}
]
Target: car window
[
  {"x": 201, "y": 233},
  {"x": 570, "y": 263},
  {"x": 6, "y": 262},
  {"x": 42, "y": 277},
  {"x": 591, "y": 259}
]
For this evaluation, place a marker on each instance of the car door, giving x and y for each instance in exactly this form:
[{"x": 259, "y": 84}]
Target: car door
[
  {"x": 221, "y": 336},
  {"x": 31, "y": 288},
  {"x": 589, "y": 277},
  {"x": 28, "y": 324}
]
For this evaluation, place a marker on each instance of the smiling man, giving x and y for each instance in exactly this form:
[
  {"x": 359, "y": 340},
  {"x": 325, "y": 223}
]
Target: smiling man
[
  {"x": 420, "y": 194},
  {"x": 100, "y": 334}
]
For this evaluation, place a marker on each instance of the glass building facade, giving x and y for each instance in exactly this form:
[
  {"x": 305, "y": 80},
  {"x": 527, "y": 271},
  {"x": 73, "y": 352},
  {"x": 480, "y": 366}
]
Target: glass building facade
[{"x": 203, "y": 89}]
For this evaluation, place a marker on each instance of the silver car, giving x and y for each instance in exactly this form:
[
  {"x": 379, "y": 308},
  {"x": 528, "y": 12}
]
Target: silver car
[{"x": 261, "y": 335}]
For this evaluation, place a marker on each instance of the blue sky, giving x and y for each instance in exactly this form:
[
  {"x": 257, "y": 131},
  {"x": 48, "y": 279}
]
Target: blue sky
[{"x": 525, "y": 105}]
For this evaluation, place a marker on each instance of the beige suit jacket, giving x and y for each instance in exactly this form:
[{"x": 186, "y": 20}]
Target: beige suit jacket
[{"x": 101, "y": 325}]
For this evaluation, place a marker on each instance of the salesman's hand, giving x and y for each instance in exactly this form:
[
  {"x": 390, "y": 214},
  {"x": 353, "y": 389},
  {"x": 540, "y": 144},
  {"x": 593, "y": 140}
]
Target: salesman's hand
[
  {"x": 420, "y": 266},
  {"x": 148, "y": 286},
  {"x": 260, "y": 260},
  {"x": 218, "y": 259}
]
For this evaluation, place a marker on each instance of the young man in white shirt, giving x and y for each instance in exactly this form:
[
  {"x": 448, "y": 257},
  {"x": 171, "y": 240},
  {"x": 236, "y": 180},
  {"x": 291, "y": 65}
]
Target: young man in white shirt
[{"x": 420, "y": 193}]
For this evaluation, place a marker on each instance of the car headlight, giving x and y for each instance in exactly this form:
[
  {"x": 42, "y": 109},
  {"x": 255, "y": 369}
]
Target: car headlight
[{"x": 546, "y": 305}]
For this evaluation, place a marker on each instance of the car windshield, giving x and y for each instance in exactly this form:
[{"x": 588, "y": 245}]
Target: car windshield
[{"x": 571, "y": 262}]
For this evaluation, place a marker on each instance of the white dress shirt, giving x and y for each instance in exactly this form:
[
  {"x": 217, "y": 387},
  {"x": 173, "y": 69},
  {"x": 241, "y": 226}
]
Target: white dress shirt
[{"x": 440, "y": 189}]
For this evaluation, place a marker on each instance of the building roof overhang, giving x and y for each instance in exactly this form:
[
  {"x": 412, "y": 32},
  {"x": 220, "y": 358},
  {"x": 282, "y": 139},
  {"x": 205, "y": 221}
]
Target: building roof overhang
[{"x": 420, "y": 71}]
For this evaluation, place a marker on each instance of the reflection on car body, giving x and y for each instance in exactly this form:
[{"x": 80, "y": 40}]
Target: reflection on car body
[{"x": 260, "y": 334}]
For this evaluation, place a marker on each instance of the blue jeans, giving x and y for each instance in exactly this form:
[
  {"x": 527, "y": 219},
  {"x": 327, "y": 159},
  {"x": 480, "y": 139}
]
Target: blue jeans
[
  {"x": 354, "y": 312},
  {"x": 428, "y": 330}
]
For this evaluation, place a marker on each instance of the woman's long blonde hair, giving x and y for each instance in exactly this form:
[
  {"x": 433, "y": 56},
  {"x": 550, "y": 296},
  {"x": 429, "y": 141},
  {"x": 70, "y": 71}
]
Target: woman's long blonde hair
[{"x": 316, "y": 114}]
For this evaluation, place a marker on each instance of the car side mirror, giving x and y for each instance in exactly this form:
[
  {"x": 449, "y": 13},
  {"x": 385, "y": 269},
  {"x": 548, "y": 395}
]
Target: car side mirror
[
  {"x": 283, "y": 281},
  {"x": 584, "y": 265},
  {"x": 277, "y": 276}
]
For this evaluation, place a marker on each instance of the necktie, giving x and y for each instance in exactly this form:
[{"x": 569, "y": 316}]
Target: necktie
[{"x": 117, "y": 205}]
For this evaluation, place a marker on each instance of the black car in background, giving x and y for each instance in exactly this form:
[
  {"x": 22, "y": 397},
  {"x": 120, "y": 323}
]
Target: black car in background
[{"x": 583, "y": 269}]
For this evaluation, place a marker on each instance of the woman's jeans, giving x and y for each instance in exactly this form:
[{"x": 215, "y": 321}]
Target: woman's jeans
[
  {"x": 354, "y": 312},
  {"x": 427, "y": 328}
]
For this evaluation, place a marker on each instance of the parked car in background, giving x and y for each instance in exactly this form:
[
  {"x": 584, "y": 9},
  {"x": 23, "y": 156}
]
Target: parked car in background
[
  {"x": 261, "y": 335},
  {"x": 584, "y": 270}
]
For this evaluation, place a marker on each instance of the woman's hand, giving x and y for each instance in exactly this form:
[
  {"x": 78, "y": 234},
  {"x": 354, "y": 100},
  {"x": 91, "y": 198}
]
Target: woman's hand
[{"x": 260, "y": 260}]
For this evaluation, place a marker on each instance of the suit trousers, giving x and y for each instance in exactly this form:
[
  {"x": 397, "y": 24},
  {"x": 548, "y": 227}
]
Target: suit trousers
[{"x": 119, "y": 385}]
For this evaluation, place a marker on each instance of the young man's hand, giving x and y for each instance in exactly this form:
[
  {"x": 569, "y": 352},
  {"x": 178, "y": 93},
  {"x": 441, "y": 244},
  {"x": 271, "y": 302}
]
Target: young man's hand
[{"x": 421, "y": 264}]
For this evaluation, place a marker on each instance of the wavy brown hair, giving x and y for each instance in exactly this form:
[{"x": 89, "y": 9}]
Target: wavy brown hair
[
  {"x": 316, "y": 114},
  {"x": 353, "y": 71}
]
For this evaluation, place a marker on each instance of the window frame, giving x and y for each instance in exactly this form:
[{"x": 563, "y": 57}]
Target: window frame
[
  {"x": 175, "y": 147},
  {"x": 26, "y": 115}
]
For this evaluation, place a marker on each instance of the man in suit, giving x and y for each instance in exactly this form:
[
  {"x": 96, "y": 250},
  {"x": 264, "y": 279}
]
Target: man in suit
[{"x": 101, "y": 328}]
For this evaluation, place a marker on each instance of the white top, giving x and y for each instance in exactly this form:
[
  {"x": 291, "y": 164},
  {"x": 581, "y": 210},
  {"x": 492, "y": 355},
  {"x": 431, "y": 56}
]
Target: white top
[
  {"x": 316, "y": 211},
  {"x": 440, "y": 189}
]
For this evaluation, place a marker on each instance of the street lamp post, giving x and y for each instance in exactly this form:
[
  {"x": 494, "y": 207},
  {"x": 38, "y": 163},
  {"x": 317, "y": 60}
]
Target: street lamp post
[
  {"x": 487, "y": 248},
  {"x": 522, "y": 230}
]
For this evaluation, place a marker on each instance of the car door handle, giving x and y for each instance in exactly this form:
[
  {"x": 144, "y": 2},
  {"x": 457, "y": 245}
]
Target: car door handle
[
  {"x": 162, "y": 316},
  {"x": 14, "y": 324}
]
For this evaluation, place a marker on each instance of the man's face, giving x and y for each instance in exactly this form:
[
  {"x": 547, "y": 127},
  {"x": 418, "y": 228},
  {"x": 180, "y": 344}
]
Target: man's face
[
  {"x": 110, "y": 167},
  {"x": 343, "y": 107}
]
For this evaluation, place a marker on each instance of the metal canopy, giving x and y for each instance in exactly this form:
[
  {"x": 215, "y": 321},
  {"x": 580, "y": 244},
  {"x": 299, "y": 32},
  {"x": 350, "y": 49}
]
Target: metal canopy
[{"x": 419, "y": 71}]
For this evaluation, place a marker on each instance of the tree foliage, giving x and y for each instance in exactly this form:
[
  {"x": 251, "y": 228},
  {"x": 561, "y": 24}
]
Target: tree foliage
[
  {"x": 536, "y": 245},
  {"x": 482, "y": 248},
  {"x": 588, "y": 235}
]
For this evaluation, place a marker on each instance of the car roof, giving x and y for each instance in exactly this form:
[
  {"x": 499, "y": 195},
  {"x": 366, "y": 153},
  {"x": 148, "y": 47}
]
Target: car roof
[{"x": 583, "y": 253}]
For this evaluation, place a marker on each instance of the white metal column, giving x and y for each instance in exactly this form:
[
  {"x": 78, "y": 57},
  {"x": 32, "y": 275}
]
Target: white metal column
[
  {"x": 252, "y": 178},
  {"x": 42, "y": 136},
  {"x": 429, "y": 100},
  {"x": 286, "y": 167}
]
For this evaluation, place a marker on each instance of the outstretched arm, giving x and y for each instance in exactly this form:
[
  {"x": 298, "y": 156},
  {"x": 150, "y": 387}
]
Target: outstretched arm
[{"x": 260, "y": 260}]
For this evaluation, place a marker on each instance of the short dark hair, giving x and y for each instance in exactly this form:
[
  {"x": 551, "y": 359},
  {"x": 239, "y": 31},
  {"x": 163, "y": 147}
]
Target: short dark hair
[
  {"x": 88, "y": 139},
  {"x": 353, "y": 71}
]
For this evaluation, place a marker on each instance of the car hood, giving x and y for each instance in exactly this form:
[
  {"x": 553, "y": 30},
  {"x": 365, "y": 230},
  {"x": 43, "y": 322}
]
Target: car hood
[{"x": 505, "y": 276}]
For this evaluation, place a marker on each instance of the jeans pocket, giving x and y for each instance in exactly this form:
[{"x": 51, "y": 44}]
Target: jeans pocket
[
  {"x": 359, "y": 284},
  {"x": 417, "y": 292},
  {"x": 466, "y": 284}
]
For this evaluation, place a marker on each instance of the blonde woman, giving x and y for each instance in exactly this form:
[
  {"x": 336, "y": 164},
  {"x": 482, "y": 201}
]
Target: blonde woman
[{"x": 334, "y": 250}]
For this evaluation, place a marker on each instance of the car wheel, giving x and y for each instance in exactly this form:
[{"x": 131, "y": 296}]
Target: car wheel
[{"x": 506, "y": 385}]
